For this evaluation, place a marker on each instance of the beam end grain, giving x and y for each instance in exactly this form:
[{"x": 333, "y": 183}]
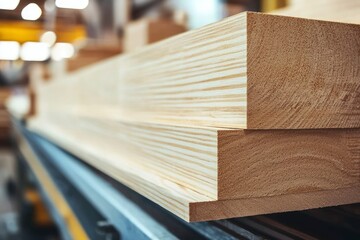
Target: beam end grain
[
  {"x": 245, "y": 164},
  {"x": 259, "y": 163},
  {"x": 302, "y": 73}
]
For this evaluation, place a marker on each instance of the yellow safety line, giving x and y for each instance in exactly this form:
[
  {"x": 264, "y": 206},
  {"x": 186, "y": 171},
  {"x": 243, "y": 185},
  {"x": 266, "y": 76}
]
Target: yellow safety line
[{"x": 75, "y": 228}]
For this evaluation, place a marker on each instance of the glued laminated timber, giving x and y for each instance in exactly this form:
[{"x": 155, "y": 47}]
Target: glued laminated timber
[
  {"x": 192, "y": 122},
  {"x": 250, "y": 71},
  {"x": 207, "y": 173}
]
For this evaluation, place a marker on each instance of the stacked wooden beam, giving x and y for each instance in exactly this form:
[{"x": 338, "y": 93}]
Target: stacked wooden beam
[{"x": 251, "y": 115}]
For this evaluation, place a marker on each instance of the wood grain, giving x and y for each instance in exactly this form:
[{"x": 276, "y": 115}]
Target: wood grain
[
  {"x": 255, "y": 163},
  {"x": 187, "y": 79},
  {"x": 251, "y": 70},
  {"x": 185, "y": 156},
  {"x": 175, "y": 166},
  {"x": 307, "y": 84},
  {"x": 203, "y": 210},
  {"x": 214, "y": 210},
  {"x": 192, "y": 122}
]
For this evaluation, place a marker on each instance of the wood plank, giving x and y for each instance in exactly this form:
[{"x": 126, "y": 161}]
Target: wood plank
[
  {"x": 251, "y": 71},
  {"x": 175, "y": 166},
  {"x": 170, "y": 121},
  {"x": 214, "y": 210}
]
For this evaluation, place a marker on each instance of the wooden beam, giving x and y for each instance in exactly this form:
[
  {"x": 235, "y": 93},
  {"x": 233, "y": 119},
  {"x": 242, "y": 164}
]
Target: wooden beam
[
  {"x": 251, "y": 71},
  {"x": 175, "y": 166},
  {"x": 221, "y": 121},
  {"x": 214, "y": 210}
]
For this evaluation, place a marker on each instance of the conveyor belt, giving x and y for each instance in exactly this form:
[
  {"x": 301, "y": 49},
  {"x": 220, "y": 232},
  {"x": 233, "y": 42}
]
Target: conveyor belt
[{"x": 98, "y": 200}]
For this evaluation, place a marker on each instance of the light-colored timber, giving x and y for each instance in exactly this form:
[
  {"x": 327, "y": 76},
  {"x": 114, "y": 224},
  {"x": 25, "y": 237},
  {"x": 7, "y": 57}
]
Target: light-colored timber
[
  {"x": 177, "y": 166},
  {"x": 330, "y": 10},
  {"x": 214, "y": 210},
  {"x": 250, "y": 71}
]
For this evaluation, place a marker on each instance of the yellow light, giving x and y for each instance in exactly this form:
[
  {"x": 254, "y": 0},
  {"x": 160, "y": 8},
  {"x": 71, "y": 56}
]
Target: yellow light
[
  {"x": 31, "y": 12},
  {"x": 48, "y": 37},
  {"x": 35, "y": 51},
  {"x": 9, "y": 50},
  {"x": 73, "y": 4},
  {"x": 62, "y": 50},
  {"x": 9, "y": 4}
]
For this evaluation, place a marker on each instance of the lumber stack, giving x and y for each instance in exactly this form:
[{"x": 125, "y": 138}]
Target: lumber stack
[{"x": 251, "y": 115}]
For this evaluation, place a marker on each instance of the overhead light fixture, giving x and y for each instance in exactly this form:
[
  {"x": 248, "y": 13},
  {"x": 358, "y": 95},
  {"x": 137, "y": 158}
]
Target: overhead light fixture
[
  {"x": 62, "y": 50},
  {"x": 73, "y": 4},
  {"x": 48, "y": 37},
  {"x": 9, "y": 4},
  {"x": 9, "y": 50},
  {"x": 35, "y": 51},
  {"x": 31, "y": 12}
]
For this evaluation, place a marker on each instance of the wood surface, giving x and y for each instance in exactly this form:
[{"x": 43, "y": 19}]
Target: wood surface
[
  {"x": 204, "y": 210},
  {"x": 255, "y": 163},
  {"x": 221, "y": 121},
  {"x": 175, "y": 166},
  {"x": 251, "y": 71},
  {"x": 298, "y": 81},
  {"x": 214, "y": 210}
]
